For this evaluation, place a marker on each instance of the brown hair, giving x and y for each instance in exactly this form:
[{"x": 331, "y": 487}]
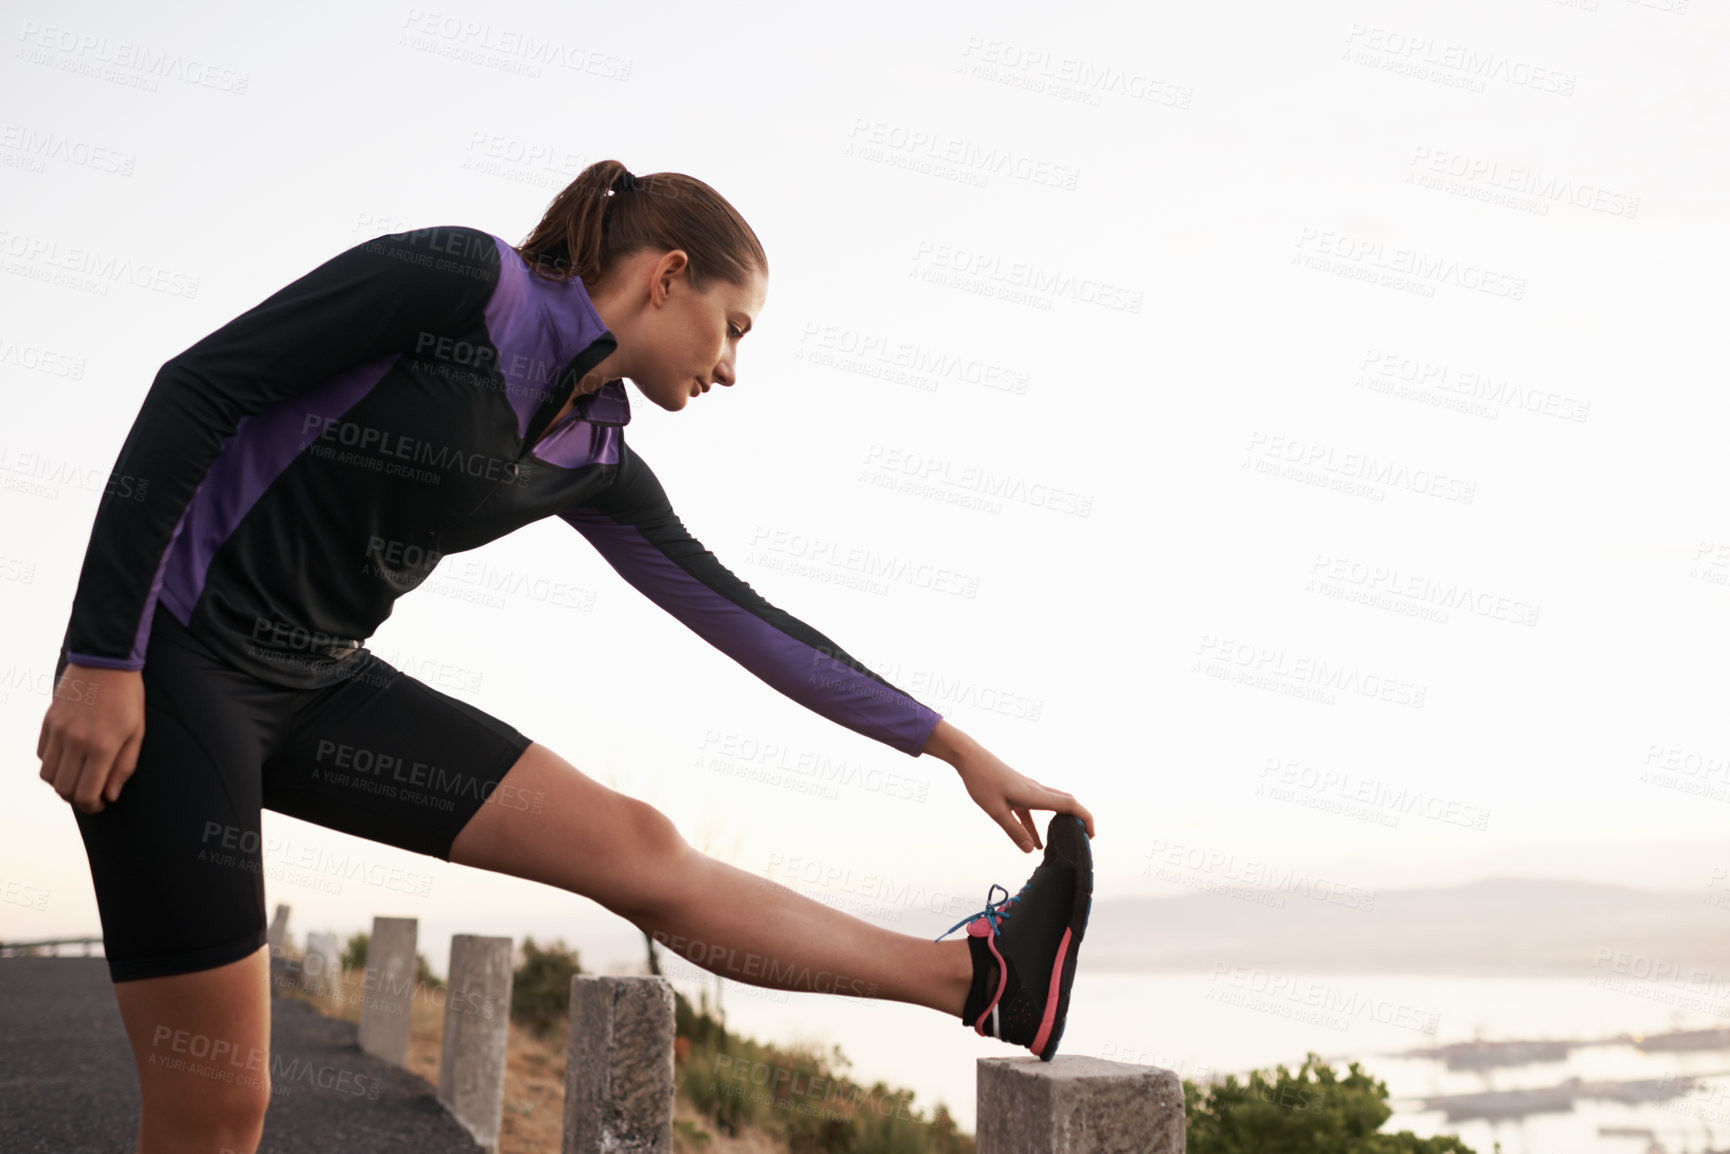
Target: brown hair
[{"x": 600, "y": 217}]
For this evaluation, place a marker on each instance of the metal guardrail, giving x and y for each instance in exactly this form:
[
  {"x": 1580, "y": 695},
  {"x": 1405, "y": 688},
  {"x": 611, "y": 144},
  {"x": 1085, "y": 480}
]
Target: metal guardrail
[{"x": 15, "y": 949}]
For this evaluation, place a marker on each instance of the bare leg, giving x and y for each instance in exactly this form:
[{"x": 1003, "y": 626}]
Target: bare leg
[
  {"x": 202, "y": 1045},
  {"x": 627, "y": 855}
]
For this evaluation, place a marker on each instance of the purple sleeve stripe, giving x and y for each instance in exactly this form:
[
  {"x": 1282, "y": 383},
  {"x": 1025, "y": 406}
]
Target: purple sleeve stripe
[
  {"x": 95, "y": 662},
  {"x": 800, "y": 671}
]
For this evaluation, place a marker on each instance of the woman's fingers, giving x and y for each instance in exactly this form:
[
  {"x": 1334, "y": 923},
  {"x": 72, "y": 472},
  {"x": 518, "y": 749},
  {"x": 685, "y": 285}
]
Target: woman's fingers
[
  {"x": 87, "y": 797},
  {"x": 124, "y": 763},
  {"x": 1008, "y": 820},
  {"x": 1027, "y": 823}
]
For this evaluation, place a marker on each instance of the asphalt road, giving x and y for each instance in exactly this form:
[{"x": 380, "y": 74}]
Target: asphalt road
[{"x": 67, "y": 1083}]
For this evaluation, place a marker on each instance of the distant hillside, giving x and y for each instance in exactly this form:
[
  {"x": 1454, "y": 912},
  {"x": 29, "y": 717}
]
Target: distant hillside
[{"x": 1499, "y": 926}]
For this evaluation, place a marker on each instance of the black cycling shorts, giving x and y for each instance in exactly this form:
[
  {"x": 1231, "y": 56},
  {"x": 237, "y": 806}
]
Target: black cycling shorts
[{"x": 177, "y": 862}]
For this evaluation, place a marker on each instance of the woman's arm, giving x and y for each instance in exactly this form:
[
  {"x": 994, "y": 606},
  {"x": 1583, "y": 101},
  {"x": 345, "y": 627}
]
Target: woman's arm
[
  {"x": 372, "y": 301},
  {"x": 1005, "y": 795},
  {"x": 633, "y": 526}
]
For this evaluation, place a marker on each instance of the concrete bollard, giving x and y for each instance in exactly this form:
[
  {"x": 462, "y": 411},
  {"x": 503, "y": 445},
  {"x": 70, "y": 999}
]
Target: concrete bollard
[
  {"x": 278, "y": 932},
  {"x": 477, "y": 1021},
  {"x": 390, "y": 979},
  {"x": 619, "y": 1066},
  {"x": 321, "y": 969},
  {"x": 1078, "y": 1105},
  {"x": 277, "y": 935}
]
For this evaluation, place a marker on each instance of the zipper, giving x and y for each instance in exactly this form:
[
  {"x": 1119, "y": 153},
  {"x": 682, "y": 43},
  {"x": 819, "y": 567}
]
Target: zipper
[{"x": 597, "y": 351}]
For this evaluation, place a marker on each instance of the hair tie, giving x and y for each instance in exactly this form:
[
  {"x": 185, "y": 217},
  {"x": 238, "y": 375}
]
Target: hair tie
[{"x": 625, "y": 183}]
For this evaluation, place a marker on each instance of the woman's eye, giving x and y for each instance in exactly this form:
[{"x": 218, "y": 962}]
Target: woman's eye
[{"x": 733, "y": 331}]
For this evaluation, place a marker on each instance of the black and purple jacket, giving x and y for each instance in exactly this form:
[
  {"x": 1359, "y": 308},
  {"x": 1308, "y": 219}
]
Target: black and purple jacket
[{"x": 310, "y": 461}]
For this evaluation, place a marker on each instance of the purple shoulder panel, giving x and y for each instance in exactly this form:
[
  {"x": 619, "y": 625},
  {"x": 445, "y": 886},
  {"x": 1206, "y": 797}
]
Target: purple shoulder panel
[
  {"x": 538, "y": 326},
  {"x": 578, "y": 443},
  {"x": 262, "y": 446}
]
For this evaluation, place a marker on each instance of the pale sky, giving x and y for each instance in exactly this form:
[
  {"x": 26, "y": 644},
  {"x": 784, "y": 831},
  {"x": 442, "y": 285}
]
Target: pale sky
[{"x": 1347, "y": 377}]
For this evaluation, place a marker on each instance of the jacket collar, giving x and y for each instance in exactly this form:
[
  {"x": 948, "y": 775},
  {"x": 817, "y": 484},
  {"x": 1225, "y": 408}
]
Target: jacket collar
[{"x": 607, "y": 405}]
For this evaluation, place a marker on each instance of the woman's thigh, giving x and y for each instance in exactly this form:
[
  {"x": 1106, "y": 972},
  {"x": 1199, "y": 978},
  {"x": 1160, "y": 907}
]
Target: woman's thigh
[
  {"x": 572, "y": 832},
  {"x": 386, "y": 757},
  {"x": 175, "y": 860},
  {"x": 389, "y": 758},
  {"x": 202, "y": 1044}
]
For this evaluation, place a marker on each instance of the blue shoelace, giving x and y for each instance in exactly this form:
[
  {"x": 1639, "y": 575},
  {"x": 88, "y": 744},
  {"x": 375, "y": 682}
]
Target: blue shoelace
[{"x": 995, "y": 911}]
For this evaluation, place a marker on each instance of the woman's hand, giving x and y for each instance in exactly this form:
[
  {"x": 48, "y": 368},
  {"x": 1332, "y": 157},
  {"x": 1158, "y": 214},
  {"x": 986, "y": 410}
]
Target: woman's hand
[
  {"x": 91, "y": 734},
  {"x": 1005, "y": 795}
]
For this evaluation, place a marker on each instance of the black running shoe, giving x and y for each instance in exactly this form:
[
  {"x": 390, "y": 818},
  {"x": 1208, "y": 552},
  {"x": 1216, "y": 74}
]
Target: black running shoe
[{"x": 1024, "y": 948}]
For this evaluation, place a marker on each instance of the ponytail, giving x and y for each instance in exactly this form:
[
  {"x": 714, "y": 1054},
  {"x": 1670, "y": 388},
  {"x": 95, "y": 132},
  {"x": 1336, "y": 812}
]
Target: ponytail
[{"x": 606, "y": 214}]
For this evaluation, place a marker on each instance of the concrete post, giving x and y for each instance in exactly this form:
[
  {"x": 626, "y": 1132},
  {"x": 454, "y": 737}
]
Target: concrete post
[
  {"x": 477, "y": 1020},
  {"x": 277, "y": 935},
  {"x": 1078, "y": 1105},
  {"x": 619, "y": 1066},
  {"x": 321, "y": 970},
  {"x": 390, "y": 981},
  {"x": 278, "y": 932}
]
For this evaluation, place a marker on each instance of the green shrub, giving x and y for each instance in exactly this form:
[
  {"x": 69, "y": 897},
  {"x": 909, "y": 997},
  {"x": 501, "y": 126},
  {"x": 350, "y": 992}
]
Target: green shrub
[
  {"x": 354, "y": 954},
  {"x": 1312, "y": 1111},
  {"x": 541, "y": 985},
  {"x": 801, "y": 1096}
]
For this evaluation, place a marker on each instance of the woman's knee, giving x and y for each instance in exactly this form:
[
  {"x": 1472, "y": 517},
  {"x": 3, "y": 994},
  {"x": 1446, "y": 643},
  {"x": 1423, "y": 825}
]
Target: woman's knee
[
  {"x": 657, "y": 855},
  {"x": 206, "y": 1110}
]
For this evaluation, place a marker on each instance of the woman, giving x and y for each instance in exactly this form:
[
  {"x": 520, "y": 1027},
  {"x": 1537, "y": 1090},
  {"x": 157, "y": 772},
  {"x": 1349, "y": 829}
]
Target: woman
[{"x": 309, "y": 462}]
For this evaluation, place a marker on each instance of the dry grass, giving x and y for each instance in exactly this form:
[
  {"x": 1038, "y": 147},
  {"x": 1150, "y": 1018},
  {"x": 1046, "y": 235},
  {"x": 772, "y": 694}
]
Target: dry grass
[{"x": 534, "y": 1111}]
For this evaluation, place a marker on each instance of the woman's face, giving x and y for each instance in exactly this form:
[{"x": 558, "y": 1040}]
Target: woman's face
[{"x": 682, "y": 343}]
